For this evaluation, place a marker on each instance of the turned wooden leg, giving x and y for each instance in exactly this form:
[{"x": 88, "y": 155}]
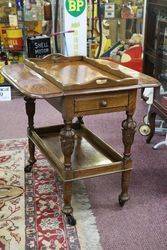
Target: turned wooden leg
[
  {"x": 67, "y": 145},
  {"x": 128, "y": 132},
  {"x": 151, "y": 119},
  {"x": 30, "y": 111}
]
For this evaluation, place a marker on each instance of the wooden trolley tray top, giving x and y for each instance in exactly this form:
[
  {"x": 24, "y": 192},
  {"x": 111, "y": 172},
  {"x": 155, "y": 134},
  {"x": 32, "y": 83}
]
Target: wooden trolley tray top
[{"x": 78, "y": 72}]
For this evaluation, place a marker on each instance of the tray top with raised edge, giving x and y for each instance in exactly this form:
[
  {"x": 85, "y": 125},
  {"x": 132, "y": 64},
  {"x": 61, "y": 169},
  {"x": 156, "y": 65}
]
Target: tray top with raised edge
[
  {"x": 78, "y": 72},
  {"x": 33, "y": 84}
]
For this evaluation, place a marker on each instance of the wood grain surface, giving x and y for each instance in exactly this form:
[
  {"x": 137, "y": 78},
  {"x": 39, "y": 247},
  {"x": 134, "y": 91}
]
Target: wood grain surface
[
  {"x": 77, "y": 73},
  {"x": 32, "y": 84}
]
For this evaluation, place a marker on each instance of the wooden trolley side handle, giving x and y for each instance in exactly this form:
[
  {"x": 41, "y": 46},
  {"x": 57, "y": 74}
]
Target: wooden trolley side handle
[{"x": 114, "y": 82}]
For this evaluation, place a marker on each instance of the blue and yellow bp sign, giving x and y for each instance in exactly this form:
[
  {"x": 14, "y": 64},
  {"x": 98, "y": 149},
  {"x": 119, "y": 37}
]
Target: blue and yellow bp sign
[{"x": 75, "y": 7}]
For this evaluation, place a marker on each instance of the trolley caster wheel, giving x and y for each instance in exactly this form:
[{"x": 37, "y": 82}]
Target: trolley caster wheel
[
  {"x": 71, "y": 220},
  {"x": 144, "y": 129},
  {"x": 28, "y": 168},
  {"x": 145, "y": 119},
  {"x": 121, "y": 202}
]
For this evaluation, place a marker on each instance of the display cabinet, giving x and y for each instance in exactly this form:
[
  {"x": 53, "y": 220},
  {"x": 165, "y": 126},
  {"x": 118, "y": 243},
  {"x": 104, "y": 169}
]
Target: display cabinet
[
  {"x": 155, "y": 44},
  {"x": 161, "y": 54}
]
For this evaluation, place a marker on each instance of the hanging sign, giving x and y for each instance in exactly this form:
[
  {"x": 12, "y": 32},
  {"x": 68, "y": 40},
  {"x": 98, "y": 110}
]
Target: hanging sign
[
  {"x": 109, "y": 10},
  {"x": 75, "y": 7},
  {"x": 5, "y": 93},
  {"x": 38, "y": 46},
  {"x": 13, "y": 20}
]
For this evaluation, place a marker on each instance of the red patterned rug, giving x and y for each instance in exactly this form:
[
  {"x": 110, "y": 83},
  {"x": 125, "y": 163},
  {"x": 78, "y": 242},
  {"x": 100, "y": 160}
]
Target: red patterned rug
[{"x": 30, "y": 205}]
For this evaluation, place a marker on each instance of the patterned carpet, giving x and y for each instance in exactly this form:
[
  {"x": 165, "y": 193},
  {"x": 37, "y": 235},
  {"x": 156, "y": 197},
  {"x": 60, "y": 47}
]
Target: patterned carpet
[{"x": 30, "y": 205}]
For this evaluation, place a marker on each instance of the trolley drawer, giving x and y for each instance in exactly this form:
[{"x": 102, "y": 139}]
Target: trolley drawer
[{"x": 101, "y": 102}]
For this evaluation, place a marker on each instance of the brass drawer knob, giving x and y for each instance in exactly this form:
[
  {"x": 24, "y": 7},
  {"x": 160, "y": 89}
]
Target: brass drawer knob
[{"x": 103, "y": 103}]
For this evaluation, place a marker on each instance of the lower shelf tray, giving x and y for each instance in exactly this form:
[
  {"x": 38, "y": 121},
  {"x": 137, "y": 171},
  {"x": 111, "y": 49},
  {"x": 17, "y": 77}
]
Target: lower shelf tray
[{"x": 91, "y": 156}]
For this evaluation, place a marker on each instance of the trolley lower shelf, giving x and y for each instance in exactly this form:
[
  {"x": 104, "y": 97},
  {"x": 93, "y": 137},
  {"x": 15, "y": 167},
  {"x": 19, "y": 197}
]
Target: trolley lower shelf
[{"x": 91, "y": 155}]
